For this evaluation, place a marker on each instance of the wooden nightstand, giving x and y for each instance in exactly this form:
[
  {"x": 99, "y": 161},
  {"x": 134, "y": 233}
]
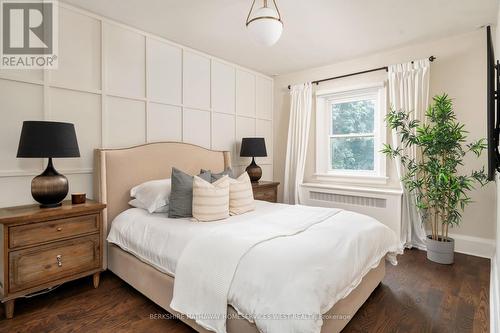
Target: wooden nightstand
[
  {"x": 266, "y": 191},
  {"x": 42, "y": 248}
]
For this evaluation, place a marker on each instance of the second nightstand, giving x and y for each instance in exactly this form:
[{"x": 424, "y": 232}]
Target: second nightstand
[
  {"x": 266, "y": 191},
  {"x": 44, "y": 247}
]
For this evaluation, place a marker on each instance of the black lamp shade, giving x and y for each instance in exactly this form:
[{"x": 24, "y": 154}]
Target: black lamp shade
[
  {"x": 253, "y": 147},
  {"x": 48, "y": 139}
]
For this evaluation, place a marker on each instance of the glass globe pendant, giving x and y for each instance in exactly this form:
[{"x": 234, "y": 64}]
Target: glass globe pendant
[{"x": 265, "y": 24}]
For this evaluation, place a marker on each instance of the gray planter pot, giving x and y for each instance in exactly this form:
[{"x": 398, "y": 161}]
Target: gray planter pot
[{"x": 440, "y": 252}]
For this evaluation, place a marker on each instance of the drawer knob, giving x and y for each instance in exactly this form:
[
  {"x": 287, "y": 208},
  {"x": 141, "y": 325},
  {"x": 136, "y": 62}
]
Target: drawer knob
[
  {"x": 59, "y": 228},
  {"x": 59, "y": 260}
]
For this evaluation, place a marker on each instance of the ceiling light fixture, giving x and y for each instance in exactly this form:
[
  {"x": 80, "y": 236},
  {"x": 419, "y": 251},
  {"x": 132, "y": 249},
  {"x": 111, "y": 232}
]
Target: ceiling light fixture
[{"x": 265, "y": 24}]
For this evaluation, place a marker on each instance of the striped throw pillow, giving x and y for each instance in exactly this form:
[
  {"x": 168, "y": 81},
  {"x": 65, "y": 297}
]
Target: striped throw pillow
[
  {"x": 210, "y": 201},
  {"x": 241, "y": 195}
]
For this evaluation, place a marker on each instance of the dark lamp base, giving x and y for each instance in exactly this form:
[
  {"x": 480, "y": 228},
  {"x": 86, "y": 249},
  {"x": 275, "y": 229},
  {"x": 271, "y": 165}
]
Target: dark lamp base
[
  {"x": 254, "y": 171},
  {"x": 51, "y": 205},
  {"x": 49, "y": 188}
]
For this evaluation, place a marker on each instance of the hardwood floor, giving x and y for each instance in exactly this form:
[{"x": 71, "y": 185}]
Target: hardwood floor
[
  {"x": 415, "y": 296},
  {"x": 422, "y": 296}
]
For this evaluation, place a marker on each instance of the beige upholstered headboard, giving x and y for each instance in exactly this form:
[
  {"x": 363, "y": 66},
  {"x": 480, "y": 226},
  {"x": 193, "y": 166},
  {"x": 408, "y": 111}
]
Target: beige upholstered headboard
[{"x": 116, "y": 171}]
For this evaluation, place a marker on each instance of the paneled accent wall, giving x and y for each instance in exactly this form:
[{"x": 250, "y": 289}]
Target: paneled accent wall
[{"x": 121, "y": 87}]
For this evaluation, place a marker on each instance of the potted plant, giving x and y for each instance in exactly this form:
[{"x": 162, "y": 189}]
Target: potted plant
[{"x": 441, "y": 193}]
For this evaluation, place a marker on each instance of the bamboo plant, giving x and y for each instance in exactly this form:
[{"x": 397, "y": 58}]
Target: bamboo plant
[{"x": 441, "y": 193}]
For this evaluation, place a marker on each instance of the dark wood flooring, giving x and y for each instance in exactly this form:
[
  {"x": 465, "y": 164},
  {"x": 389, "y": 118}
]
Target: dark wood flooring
[{"x": 415, "y": 296}]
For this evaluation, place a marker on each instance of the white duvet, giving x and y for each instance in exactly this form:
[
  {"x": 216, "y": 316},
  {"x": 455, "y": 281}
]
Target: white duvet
[{"x": 296, "y": 272}]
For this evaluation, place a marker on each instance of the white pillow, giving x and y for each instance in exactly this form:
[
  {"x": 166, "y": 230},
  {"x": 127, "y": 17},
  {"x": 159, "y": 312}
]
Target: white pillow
[
  {"x": 240, "y": 195},
  {"x": 210, "y": 201},
  {"x": 153, "y": 194},
  {"x": 138, "y": 204}
]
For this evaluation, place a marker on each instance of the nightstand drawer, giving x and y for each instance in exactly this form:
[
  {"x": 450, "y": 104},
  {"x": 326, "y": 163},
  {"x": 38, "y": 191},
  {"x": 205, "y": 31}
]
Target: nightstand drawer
[
  {"x": 38, "y": 265},
  {"x": 268, "y": 194},
  {"x": 41, "y": 232}
]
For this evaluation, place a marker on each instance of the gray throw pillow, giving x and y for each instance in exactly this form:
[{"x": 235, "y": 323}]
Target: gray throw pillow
[
  {"x": 181, "y": 196},
  {"x": 217, "y": 176}
]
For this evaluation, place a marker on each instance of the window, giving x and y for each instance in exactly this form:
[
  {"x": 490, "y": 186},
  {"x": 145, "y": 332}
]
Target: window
[{"x": 350, "y": 133}]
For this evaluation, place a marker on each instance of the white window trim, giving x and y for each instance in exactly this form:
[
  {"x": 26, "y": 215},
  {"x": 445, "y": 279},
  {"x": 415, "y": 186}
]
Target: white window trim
[{"x": 325, "y": 98}]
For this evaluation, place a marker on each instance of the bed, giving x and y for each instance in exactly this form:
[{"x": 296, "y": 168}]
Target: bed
[{"x": 118, "y": 170}]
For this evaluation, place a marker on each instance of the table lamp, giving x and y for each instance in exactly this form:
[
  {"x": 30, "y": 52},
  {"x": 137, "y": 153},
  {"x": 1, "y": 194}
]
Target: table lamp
[
  {"x": 48, "y": 139},
  {"x": 253, "y": 147}
]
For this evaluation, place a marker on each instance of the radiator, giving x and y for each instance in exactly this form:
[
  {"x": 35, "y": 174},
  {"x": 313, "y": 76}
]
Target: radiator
[
  {"x": 344, "y": 199},
  {"x": 381, "y": 204}
]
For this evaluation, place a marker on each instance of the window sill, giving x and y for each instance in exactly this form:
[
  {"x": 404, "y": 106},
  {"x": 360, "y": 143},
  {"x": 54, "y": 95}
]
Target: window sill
[
  {"x": 351, "y": 179},
  {"x": 353, "y": 188}
]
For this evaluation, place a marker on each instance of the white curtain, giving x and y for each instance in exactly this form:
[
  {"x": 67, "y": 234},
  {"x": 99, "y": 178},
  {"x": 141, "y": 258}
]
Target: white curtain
[
  {"x": 409, "y": 92},
  {"x": 298, "y": 135}
]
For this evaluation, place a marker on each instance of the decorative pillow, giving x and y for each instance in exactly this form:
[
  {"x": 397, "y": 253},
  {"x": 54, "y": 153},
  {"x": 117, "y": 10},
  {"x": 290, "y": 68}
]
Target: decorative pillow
[
  {"x": 210, "y": 201},
  {"x": 138, "y": 204},
  {"x": 216, "y": 176},
  {"x": 181, "y": 197},
  {"x": 152, "y": 194},
  {"x": 241, "y": 195}
]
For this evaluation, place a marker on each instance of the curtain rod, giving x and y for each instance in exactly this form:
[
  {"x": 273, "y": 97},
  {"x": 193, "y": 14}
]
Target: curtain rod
[{"x": 386, "y": 68}]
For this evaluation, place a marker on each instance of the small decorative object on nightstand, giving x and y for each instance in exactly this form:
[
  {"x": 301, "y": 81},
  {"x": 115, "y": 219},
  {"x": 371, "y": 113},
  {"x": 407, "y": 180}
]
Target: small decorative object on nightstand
[
  {"x": 253, "y": 147},
  {"x": 78, "y": 198},
  {"x": 266, "y": 191},
  {"x": 42, "y": 248},
  {"x": 48, "y": 139}
]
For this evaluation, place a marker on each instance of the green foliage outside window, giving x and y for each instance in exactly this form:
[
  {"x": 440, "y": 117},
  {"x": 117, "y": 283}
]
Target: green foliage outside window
[{"x": 353, "y": 153}]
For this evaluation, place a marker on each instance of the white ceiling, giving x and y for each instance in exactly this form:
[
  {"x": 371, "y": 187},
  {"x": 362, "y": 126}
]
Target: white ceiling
[{"x": 316, "y": 32}]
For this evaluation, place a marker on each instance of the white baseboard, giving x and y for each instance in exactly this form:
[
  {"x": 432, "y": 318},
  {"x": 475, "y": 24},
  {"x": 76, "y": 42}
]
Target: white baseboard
[
  {"x": 476, "y": 246},
  {"x": 494, "y": 297}
]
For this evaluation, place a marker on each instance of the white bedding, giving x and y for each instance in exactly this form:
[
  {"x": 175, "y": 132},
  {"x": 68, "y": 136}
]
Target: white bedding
[
  {"x": 299, "y": 276},
  {"x": 159, "y": 240}
]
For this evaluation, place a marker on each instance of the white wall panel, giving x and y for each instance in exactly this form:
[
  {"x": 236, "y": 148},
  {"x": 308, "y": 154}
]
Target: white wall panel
[
  {"x": 264, "y": 129},
  {"x": 100, "y": 86},
  {"x": 245, "y": 93},
  {"x": 223, "y": 132},
  {"x": 125, "y": 122},
  {"x": 267, "y": 170},
  {"x": 23, "y": 74},
  {"x": 19, "y": 102},
  {"x": 264, "y": 98},
  {"x": 83, "y": 110},
  {"x": 196, "y": 82},
  {"x": 80, "y": 183},
  {"x": 245, "y": 128},
  {"x": 15, "y": 191},
  {"x": 125, "y": 61},
  {"x": 79, "y": 51},
  {"x": 164, "y": 123},
  {"x": 223, "y": 90},
  {"x": 196, "y": 127},
  {"x": 164, "y": 72}
]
